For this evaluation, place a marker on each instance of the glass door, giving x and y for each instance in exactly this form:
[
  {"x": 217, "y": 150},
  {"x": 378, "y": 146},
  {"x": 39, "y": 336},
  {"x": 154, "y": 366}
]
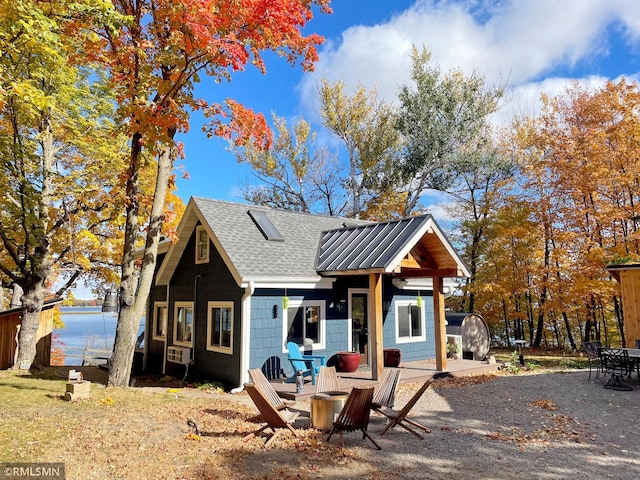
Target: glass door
[{"x": 358, "y": 303}]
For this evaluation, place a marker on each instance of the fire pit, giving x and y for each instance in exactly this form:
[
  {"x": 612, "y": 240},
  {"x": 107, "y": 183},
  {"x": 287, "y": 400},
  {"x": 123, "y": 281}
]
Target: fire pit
[{"x": 324, "y": 407}]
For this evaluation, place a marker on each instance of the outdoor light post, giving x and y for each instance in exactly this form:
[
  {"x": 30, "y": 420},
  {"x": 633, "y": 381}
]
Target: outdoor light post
[{"x": 520, "y": 343}]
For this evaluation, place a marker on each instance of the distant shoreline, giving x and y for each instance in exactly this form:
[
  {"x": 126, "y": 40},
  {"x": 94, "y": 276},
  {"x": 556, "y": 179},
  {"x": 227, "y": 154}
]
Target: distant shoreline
[
  {"x": 89, "y": 310},
  {"x": 86, "y": 312}
]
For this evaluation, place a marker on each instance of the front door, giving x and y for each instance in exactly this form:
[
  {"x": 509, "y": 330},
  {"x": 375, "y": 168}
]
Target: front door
[{"x": 358, "y": 306}]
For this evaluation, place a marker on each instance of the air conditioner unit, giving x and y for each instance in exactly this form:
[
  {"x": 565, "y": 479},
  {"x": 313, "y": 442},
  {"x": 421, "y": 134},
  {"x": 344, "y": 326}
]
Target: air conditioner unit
[{"x": 181, "y": 355}]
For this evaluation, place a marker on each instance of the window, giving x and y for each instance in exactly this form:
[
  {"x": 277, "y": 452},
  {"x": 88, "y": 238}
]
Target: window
[
  {"x": 220, "y": 327},
  {"x": 202, "y": 245},
  {"x": 409, "y": 322},
  {"x": 159, "y": 320},
  {"x": 304, "y": 323},
  {"x": 266, "y": 227},
  {"x": 183, "y": 323}
]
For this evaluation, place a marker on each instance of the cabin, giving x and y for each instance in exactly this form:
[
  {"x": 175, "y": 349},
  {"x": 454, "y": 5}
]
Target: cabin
[
  {"x": 10, "y": 321},
  {"x": 242, "y": 281},
  {"x": 629, "y": 278}
]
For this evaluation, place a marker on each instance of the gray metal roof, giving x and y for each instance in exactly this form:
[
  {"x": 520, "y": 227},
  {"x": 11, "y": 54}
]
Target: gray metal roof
[
  {"x": 409, "y": 247},
  {"x": 369, "y": 247}
]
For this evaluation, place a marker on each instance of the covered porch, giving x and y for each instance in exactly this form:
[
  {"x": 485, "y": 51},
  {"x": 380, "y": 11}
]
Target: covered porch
[{"x": 409, "y": 248}]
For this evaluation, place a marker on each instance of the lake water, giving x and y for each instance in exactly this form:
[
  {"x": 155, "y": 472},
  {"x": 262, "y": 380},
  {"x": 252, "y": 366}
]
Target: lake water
[{"x": 86, "y": 327}]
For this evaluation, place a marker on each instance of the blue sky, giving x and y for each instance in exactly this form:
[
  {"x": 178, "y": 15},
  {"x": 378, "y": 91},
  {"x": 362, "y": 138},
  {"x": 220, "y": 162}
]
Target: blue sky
[{"x": 534, "y": 46}]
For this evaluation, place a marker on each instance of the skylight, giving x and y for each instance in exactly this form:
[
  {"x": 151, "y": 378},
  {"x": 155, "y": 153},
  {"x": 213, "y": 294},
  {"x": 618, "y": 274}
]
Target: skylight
[{"x": 265, "y": 226}]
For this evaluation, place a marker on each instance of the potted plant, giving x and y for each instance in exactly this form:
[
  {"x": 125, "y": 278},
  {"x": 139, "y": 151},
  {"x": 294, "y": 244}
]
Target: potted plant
[
  {"x": 348, "y": 361},
  {"x": 454, "y": 351},
  {"x": 392, "y": 357}
]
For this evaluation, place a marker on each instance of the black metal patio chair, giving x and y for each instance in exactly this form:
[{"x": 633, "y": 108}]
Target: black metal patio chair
[
  {"x": 592, "y": 350},
  {"x": 616, "y": 364}
]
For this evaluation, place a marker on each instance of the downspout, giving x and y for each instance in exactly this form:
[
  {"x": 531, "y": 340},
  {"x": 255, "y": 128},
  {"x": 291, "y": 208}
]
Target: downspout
[
  {"x": 193, "y": 321},
  {"x": 245, "y": 342},
  {"x": 448, "y": 292},
  {"x": 146, "y": 334},
  {"x": 166, "y": 334}
]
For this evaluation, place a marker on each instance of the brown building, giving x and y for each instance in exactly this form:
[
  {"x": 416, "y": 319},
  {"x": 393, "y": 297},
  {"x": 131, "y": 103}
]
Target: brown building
[
  {"x": 10, "y": 321},
  {"x": 629, "y": 278}
]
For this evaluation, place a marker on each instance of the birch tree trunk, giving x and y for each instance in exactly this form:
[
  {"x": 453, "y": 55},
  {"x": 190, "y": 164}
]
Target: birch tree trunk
[{"x": 136, "y": 281}]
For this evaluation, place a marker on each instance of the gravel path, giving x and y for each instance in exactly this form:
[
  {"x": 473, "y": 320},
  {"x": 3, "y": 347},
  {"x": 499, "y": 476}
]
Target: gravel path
[
  {"x": 542, "y": 425},
  {"x": 537, "y": 426}
]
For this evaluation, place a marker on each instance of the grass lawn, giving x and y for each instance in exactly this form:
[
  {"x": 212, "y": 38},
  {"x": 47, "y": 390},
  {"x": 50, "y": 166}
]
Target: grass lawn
[{"x": 143, "y": 433}]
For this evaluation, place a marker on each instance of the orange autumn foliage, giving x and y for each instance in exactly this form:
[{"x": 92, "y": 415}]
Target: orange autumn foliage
[
  {"x": 573, "y": 210},
  {"x": 157, "y": 58}
]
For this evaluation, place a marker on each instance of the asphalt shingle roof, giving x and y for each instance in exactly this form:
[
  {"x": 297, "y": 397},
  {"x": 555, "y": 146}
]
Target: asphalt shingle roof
[
  {"x": 253, "y": 255},
  {"x": 307, "y": 245}
]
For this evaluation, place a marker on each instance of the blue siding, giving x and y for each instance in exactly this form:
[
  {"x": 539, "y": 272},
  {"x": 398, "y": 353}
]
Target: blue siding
[
  {"x": 415, "y": 350},
  {"x": 266, "y": 334},
  {"x": 267, "y": 338}
]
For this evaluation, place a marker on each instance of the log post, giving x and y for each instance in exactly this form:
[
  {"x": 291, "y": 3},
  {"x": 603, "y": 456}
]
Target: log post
[
  {"x": 375, "y": 325},
  {"x": 439, "y": 325}
]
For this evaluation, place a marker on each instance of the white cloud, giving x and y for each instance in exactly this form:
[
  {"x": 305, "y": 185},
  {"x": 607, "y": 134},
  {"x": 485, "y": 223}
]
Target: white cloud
[
  {"x": 531, "y": 38},
  {"x": 517, "y": 41},
  {"x": 630, "y": 13},
  {"x": 439, "y": 212},
  {"x": 526, "y": 97}
]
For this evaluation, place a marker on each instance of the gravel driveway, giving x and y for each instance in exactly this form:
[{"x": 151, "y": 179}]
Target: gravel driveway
[{"x": 537, "y": 426}]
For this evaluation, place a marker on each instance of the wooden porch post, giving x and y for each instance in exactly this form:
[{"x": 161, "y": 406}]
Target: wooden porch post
[
  {"x": 439, "y": 325},
  {"x": 375, "y": 325}
]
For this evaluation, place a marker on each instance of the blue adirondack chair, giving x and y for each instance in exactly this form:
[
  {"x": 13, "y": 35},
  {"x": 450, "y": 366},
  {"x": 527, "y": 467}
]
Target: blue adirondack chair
[{"x": 306, "y": 363}]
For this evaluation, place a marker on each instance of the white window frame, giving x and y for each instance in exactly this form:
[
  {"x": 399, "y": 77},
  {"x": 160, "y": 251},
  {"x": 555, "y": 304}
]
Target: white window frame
[
  {"x": 210, "y": 346},
  {"x": 405, "y": 304},
  {"x": 202, "y": 258},
  {"x": 322, "y": 322},
  {"x": 156, "y": 307},
  {"x": 176, "y": 308}
]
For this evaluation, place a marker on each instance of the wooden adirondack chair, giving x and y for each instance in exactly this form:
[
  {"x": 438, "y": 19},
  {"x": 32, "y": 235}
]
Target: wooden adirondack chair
[
  {"x": 385, "y": 393},
  {"x": 355, "y": 414},
  {"x": 327, "y": 380},
  {"x": 262, "y": 383},
  {"x": 276, "y": 420},
  {"x": 400, "y": 417},
  {"x": 304, "y": 363}
]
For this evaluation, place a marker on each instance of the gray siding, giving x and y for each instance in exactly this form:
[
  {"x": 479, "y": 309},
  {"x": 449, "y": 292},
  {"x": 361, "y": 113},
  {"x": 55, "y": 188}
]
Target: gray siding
[
  {"x": 155, "y": 348},
  {"x": 214, "y": 284}
]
